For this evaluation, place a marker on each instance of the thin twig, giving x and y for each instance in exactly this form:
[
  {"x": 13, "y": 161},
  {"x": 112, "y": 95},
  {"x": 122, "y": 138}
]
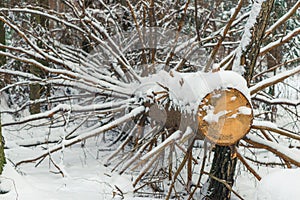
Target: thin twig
[
  {"x": 240, "y": 157},
  {"x": 201, "y": 171},
  {"x": 178, "y": 172},
  {"x": 221, "y": 39}
]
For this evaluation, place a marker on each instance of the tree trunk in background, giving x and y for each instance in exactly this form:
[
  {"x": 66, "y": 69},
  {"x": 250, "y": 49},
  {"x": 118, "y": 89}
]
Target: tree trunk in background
[
  {"x": 224, "y": 165},
  {"x": 2, "y": 39},
  {"x": 35, "y": 92},
  {"x": 2, "y": 62},
  {"x": 2, "y": 155},
  {"x": 35, "y": 89},
  {"x": 273, "y": 59},
  {"x": 250, "y": 55}
]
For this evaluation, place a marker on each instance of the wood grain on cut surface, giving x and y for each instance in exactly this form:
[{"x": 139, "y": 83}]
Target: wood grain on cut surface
[{"x": 225, "y": 116}]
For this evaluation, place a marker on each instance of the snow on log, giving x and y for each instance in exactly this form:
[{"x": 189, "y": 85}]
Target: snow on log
[
  {"x": 186, "y": 90},
  {"x": 220, "y": 101}
]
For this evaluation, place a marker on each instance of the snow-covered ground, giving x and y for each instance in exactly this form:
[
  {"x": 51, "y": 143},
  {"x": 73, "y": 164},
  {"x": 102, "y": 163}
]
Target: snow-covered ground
[
  {"x": 86, "y": 177},
  {"x": 281, "y": 184}
]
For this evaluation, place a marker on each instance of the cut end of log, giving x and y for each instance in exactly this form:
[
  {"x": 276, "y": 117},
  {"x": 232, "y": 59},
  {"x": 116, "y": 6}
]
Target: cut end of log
[{"x": 225, "y": 116}]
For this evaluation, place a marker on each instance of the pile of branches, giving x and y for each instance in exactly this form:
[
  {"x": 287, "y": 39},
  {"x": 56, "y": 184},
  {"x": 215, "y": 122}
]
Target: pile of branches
[{"x": 89, "y": 69}]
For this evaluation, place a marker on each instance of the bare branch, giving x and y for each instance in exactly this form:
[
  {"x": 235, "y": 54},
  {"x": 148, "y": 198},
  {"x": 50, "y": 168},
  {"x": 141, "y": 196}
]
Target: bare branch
[
  {"x": 276, "y": 101},
  {"x": 276, "y": 67},
  {"x": 225, "y": 183},
  {"x": 240, "y": 157},
  {"x": 223, "y": 34}
]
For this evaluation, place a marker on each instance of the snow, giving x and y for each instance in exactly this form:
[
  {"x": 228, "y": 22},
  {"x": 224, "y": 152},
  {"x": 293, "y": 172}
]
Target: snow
[
  {"x": 175, "y": 136},
  {"x": 233, "y": 98},
  {"x": 264, "y": 123},
  {"x": 183, "y": 93},
  {"x": 281, "y": 184},
  {"x": 211, "y": 117},
  {"x": 283, "y": 18},
  {"x": 292, "y": 154},
  {"x": 293, "y": 102},
  {"x": 286, "y": 38},
  {"x": 246, "y": 38},
  {"x": 244, "y": 110},
  {"x": 87, "y": 178},
  {"x": 85, "y": 174}
]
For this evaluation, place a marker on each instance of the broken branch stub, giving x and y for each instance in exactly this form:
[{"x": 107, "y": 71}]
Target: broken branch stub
[{"x": 225, "y": 116}]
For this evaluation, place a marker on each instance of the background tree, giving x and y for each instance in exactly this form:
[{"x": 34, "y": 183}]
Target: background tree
[
  {"x": 2, "y": 62},
  {"x": 224, "y": 164},
  {"x": 35, "y": 89}
]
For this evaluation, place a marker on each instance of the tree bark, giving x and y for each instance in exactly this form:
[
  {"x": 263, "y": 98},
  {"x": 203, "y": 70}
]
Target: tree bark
[
  {"x": 2, "y": 155},
  {"x": 35, "y": 92},
  {"x": 223, "y": 166},
  {"x": 2, "y": 40},
  {"x": 273, "y": 58},
  {"x": 35, "y": 88},
  {"x": 250, "y": 55},
  {"x": 2, "y": 62}
]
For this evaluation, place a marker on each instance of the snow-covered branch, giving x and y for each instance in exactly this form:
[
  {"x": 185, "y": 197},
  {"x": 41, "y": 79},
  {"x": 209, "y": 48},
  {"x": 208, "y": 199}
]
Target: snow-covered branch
[
  {"x": 135, "y": 72},
  {"x": 276, "y": 101},
  {"x": 280, "y": 41},
  {"x": 73, "y": 108},
  {"x": 290, "y": 155},
  {"x": 247, "y": 36},
  {"x": 86, "y": 135},
  {"x": 266, "y": 125},
  {"x": 273, "y": 80},
  {"x": 284, "y": 18},
  {"x": 29, "y": 76}
]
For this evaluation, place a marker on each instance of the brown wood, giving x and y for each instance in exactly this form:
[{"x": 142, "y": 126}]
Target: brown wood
[{"x": 225, "y": 116}]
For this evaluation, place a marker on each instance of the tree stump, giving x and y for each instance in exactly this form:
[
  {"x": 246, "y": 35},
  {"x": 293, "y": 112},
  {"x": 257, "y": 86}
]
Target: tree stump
[{"x": 225, "y": 116}]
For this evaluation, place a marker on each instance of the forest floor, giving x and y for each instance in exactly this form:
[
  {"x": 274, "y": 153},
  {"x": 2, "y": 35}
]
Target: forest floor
[{"x": 84, "y": 176}]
